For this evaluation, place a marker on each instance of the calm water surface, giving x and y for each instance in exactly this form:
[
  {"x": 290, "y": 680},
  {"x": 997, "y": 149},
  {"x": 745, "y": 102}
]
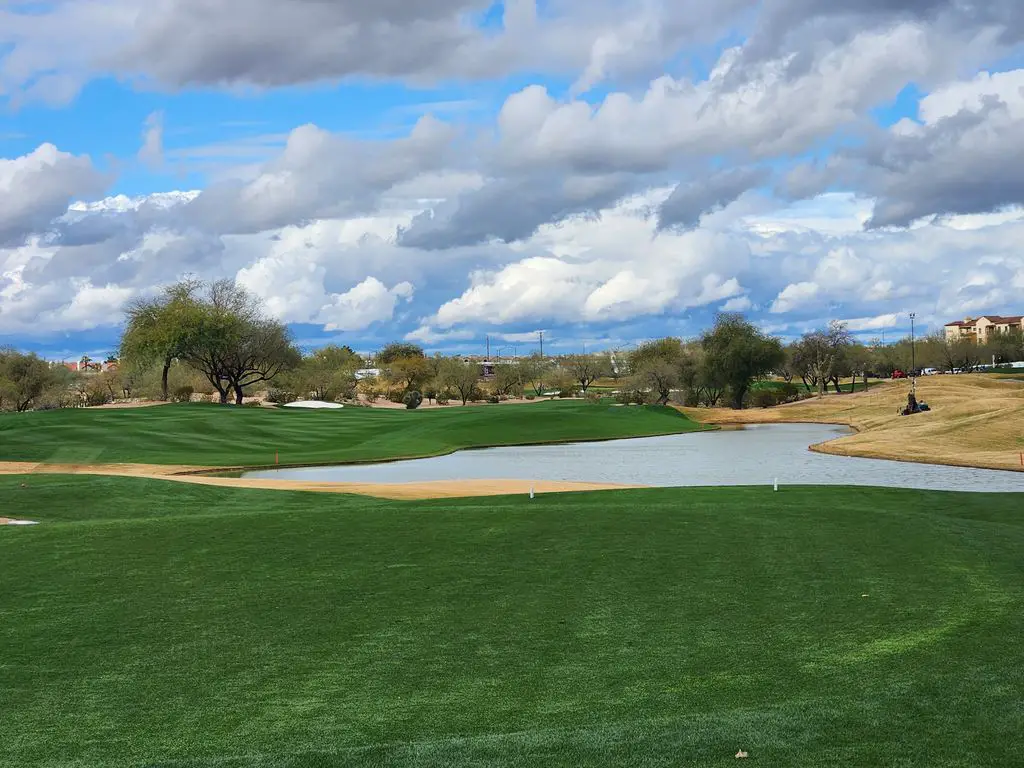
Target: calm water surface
[{"x": 755, "y": 455}]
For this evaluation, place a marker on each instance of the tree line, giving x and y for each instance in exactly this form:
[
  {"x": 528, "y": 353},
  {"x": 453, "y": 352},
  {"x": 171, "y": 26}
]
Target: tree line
[{"x": 216, "y": 340}]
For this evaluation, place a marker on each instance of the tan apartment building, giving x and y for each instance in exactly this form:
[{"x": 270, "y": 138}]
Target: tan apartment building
[{"x": 982, "y": 329}]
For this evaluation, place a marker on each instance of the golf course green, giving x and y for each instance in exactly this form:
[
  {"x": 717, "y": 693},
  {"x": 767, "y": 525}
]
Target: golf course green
[
  {"x": 197, "y": 627},
  {"x": 212, "y": 435}
]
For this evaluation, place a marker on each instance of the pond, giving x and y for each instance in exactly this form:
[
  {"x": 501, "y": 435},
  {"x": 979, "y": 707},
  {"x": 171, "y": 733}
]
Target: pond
[{"x": 756, "y": 455}]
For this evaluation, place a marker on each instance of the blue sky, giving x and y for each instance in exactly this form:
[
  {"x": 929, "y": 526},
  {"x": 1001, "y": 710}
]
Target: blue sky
[{"x": 606, "y": 171}]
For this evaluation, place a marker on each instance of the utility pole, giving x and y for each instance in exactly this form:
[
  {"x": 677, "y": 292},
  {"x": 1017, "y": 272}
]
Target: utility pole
[
  {"x": 542, "y": 345},
  {"x": 488, "y": 346}
]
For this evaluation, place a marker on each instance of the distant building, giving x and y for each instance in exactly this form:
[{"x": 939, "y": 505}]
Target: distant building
[{"x": 982, "y": 329}]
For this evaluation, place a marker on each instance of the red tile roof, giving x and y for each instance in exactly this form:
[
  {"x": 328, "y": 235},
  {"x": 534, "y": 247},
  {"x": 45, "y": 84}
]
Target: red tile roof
[{"x": 997, "y": 319}]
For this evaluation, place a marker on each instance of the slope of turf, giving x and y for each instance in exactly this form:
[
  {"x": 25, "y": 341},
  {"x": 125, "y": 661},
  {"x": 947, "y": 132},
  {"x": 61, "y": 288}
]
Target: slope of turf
[
  {"x": 227, "y": 436},
  {"x": 214, "y": 628}
]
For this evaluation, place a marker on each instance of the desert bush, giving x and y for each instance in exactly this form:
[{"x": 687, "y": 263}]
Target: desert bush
[
  {"x": 592, "y": 397},
  {"x": 531, "y": 397},
  {"x": 631, "y": 396},
  {"x": 412, "y": 400},
  {"x": 97, "y": 394},
  {"x": 443, "y": 399},
  {"x": 182, "y": 394},
  {"x": 493, "y": 399},
  {"x": 396, "y": 396},
  {"x": 253, "y": 404},
  {"x": 762, "y": 398},
  {"x": 280, "y": 396}
]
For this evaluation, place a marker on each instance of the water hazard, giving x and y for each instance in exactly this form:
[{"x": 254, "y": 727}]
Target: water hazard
[{"x": 756, "y": 455}]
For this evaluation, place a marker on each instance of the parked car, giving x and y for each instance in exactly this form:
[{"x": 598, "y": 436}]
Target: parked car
[{"x": 899, "y": 374}]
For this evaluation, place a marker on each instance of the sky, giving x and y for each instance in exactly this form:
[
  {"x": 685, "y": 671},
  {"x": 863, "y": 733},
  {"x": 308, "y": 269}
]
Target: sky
[{"x": 444, "y": 171}]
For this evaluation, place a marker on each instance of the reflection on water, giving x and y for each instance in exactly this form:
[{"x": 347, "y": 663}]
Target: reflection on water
[{"x": 756, "y": 455}]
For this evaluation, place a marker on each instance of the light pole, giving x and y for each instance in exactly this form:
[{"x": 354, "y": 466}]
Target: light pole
[{"x": 913, "y": 355}]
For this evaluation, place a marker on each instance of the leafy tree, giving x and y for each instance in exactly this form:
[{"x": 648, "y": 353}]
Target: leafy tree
[
  {"x": 159, "y": 329},
  {"x": 508, "y": 380},
  {"x": 23, "y": 379},
  {"x": 737, "y": 353},
  {"x": 408, "y": 372},
  {"x": 326, "y": 373},
  {"x": 219, "y": 329},
  {"x": 397, "y": 350},
  {"x": 459, "y": 377}
]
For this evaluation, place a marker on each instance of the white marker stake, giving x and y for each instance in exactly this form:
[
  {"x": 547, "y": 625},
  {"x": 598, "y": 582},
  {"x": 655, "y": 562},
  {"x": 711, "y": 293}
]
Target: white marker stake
[
  {"x": 776, "y": 483},
  {"x": 531, "y": 491}
]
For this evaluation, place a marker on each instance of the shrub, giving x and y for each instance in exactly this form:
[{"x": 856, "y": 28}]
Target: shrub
[
  {"x": 789, "y": 392},
  {"x": 97, "y": 395},
  {"x": 630, "y": 396},
  {"x": 183, "y": 394},
  {"x": 592, "y": 397},
  {"x": 412, "y": 400},
  {"x": 396, "y": 396},
  {"x": 280, "y": 396},
  {"x": 690, "y": 398},
  {"x": 253, "y": 404},
  {"x": 493, "y": 399},
  {"x": 443, "y": 399},
  {"x": 763, "y": 398},
  {"x": 531, "y": 397}
]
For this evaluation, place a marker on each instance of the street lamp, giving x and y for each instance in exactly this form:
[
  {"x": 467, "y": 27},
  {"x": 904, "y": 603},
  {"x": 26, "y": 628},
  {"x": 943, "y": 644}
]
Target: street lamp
[{"x": 913, "y": 355}]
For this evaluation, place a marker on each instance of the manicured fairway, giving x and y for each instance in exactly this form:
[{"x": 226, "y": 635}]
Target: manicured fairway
[
  {"x": 213, "y": 628},
  {"x": 226, "y": 436}
]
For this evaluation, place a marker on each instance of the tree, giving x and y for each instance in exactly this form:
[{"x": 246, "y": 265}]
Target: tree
[
  {"x": 821, "y": 353},
  {"x": 737, "y": 353},
  {"x": 396, "y": 350},
  {"x": 219, "y": 329},
  {"x": 458, "y": 376},
  {"x": 586, "y": 369},
  {"x": 534, "y": 370},
  {"x": 508, "y": 381},
  {"x": 23, "y": 378},
  {"x": 327, "y": 373},
  {"x": 158, "y": 330},
  {"x": 658, "y": 376},
  {"x": 408, "y": 372}
]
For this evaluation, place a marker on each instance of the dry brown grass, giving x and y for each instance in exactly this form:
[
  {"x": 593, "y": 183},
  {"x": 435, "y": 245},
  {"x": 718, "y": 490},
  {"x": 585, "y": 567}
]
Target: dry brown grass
[{"x": 976, "y": 421}]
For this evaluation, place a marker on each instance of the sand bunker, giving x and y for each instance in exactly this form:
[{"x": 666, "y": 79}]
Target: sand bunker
[
  {"x": 443, "y": 489},
  {"x": 312, "y": 404},
  {"x": 9, "y": 521}
]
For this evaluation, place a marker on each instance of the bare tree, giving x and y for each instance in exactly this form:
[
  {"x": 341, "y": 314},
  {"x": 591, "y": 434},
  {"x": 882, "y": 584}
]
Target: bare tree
[
  {"x": 586, "y": 369},
  {"x": 823, "y": 351}
]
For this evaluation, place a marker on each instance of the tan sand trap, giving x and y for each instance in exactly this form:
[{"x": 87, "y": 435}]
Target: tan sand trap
[
  {"x": 440, "y": 489},
  {"x": 977, "y": 420}
]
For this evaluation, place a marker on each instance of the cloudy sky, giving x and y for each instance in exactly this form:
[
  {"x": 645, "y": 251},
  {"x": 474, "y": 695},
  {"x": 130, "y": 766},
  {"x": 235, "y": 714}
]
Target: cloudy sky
[{"x": 440, "y": 170}]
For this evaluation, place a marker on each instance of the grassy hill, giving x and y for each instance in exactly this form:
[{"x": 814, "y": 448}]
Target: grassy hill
[
  {"x": 210, "y": 435},
  {"x": 976, "y": 420},
  {"x": 212, "y": 628}
]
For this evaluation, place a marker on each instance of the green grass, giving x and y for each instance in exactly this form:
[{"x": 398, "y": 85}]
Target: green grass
[
  {"x": 225, "y": 436},
  {"x": 220, "y": 628}
]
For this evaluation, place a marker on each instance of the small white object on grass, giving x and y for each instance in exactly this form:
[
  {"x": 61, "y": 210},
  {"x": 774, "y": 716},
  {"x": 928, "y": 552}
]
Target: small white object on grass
[
  {"x": 741, "y": 753},
  {"x": 531, "y": 491},
  {"x": 776, "y": 483}
]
